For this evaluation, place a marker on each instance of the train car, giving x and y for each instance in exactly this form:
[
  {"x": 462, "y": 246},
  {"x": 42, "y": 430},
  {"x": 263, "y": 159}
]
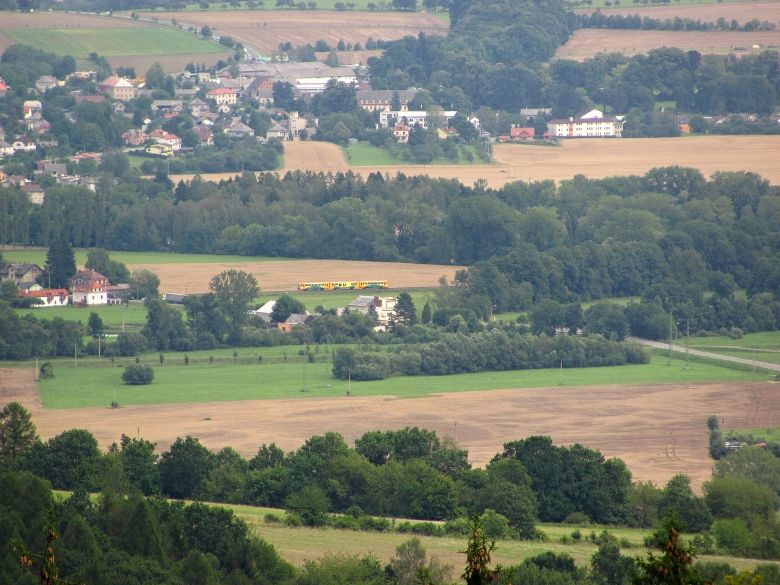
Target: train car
[
  {"x": 304, "y": 286},
  {"x": 373, "y": 284},
  {"x": 344, "y": 285}
]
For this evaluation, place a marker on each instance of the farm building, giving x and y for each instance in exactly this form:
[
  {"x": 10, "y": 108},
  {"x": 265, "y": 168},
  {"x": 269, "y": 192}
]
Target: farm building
[
  {"x": 89, "y": 288},
  {"x": 20, "y": 272},
  {"x": 47, "y": 297}
]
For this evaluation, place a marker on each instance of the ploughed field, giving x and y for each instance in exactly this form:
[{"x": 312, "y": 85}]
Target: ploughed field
[
  {"x": 657, "y": 429},
  {"x": 709, "y": 12},
  {"x": 587, "y": 42},
  {"x": 265, "y": 29}
]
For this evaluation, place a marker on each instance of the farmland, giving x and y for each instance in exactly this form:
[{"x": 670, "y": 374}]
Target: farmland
[
  {"x": 121, "y": 41},
  {"x": 704, "y": 11},
  {"x": 265, "y": 30},
  {"x": 763, "y": 346},
  {"x": 364, "y": 154},
  {"x": 586, "y": 43},
  {"x": 652, "y": 416}
]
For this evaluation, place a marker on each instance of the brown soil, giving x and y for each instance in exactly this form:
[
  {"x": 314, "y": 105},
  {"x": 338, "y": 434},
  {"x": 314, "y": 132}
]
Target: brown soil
[
  {"x": 585, "y": 43},
  {"x": 266, "y": 29},
  {"x": 284, "y": 275},
  {"x": 710, "y": 12},
  {"x": 658, "y": 430}
]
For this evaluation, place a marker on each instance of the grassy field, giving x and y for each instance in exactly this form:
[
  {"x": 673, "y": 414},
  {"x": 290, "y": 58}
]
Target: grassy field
[
  {"x": 764, "y": 346},
  {"x": 763, "y": 434},
  {"x": 80, "y": 42},
  {"x": 297, "y": 545},
  {"x": 199, "y": 382},
  {"x": 618, "y": 4},
  {"x": 38, "y": 256},
  {"x": 113, "y": 316},
  {"x": 339, "y": 299},
  {"x": 366, "y": 155}
]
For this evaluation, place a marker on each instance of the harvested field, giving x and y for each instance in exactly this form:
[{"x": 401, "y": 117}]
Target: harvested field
[
  {"x": 352, "y": 57},
  {"x": 284, "y": 275},
  {"x": 739, "y": 11},
  {"x": 74, "y": 28},
  {"x": 265, "y": 30},
  {"x": 592, "y": 157},
  {"x": 658, "y": 430},
  {"x": 585, "y": 43}
]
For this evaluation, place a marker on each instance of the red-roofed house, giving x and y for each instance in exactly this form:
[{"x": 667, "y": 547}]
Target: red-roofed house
[
  {"x": 89, "y": 288},
  {"x": 166, "y": 139},
  {"x": 401, "y": 133},
  {"x": 134, "y": 137},
  {"x": 223, "y": 95},
  {"x": 49, "y": 297},
  {"x": 518, "y": 133},
  {"x": 3, "y": 88}
]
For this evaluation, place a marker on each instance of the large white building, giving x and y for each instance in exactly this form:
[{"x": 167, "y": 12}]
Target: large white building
[
  {"x": 592, "y": 124},
  {"x": 411, "y": 118}
]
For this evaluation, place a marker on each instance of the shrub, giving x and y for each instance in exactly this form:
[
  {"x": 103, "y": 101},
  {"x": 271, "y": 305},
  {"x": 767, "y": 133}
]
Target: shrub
[
  {"x": 577, "y": 518},
  {"x": 138, "y": 374},
  {"x": 271, "y": 518},
  {"x": 47, "y": 371}
]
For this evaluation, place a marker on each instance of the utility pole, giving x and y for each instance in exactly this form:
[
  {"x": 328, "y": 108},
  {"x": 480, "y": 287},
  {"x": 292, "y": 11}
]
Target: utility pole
[
  {"x": 75, "y": 354},
  {"x": 687, "y": 336},
  {"x": 669, "y": 363}
]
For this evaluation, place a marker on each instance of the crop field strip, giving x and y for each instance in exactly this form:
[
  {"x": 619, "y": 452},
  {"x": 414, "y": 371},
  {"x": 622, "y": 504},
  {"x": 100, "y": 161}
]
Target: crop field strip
[{"x": 705, "y": 11}]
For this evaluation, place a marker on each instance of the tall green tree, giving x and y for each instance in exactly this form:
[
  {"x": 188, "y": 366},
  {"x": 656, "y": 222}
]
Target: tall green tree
[
  {"x": 405, "y": 312},
  {"x": 234, "y": 290},
  {"x": 60, "y": 265},
  {"x": 285, "y": 306},
  {"x": 17, "y": 431},
  {"x": 675, "y": 565}
]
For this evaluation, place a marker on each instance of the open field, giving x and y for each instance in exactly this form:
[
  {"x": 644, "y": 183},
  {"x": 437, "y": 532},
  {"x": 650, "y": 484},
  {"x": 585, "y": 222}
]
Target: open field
[
  {"x": 764, "y": 347},
  {"x": 297, "y": 545},
  {"x": 651, "y": 416},
  {"x": 122, "y": 41},
  {"x": 113, "y": 316},
  {"x": 285, "y": 275},
  {"x": 696, "y": 10},
  {"x": 593, "y": 157},
  {"x": 586, "y": 43},
  {"x": 37, "y": 255},
  {"x": 364, "y": 154},
  {"x": 265, "y": 30}
]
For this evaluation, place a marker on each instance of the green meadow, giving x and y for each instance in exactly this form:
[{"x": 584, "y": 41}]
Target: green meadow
[
  {"x": 38, "y": 256},
  {"x": 764, "y": 346},
  {"x": 114, "y": 42},
  {"x": 113, "y": 316},
  {"x": 251, "y": 379}
]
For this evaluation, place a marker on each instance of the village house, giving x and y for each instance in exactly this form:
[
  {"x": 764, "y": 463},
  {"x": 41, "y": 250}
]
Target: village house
[
  {"x": 260, "y": 86},
  {"x": 167, "y": 106},
  {"x": 47, "y": 297},
  {"x": 381, "y": 100},
  {"x": 89, "y": 288},
  {"x": 134, "y": 137},
  {"x": 205, "y": 135},
  {"x": 383, "y": 307},
  {"x": 30, "y": 108},
  {"x": 3, "y": 88},
  {"x": 117, "y": 88},
  {"x": 45, "y": 83},
  {"x": 35, "y": 193},
  {"x": 295, "y": 124},
  {"x": 20, "y": 273},
  {"x": 412, "y": 117},
  {"x": 37, "y": 124},
  {"x": 163, "y": 138},
  {"x": 23, "y": 144},
  {"x": 401, "y": 133},
  {"x": 159, "y": 150},
  {"x": 6, "y": 149},
  {"x": 198, "y": 107},
  {"x": 264, "y": 312},
  {"x": 292, "y": 321},
  {"x": 50, "y": 168},
  {"x": 237, "y": 129},
  {"x": 592, "y": 124},
  {"x": 223, "y": 96},
  {"x": 276, "y": 131}
]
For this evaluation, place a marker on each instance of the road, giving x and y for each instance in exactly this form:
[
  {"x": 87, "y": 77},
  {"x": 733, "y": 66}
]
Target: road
[{"x": 707, "y": 354}]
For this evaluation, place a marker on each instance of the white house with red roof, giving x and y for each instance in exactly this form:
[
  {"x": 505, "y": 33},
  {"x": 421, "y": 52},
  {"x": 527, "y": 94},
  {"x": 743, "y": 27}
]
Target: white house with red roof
[
  {"x": 223, "y": 95},
  {"x": 89, "y": 288},
  {"x": 164, "y": 138},
  {"x": 47, "y": 297}
]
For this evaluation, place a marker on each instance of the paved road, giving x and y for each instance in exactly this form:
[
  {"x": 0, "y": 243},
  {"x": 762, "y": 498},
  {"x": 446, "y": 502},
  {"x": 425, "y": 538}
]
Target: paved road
[{"x": 707, "y": 354}]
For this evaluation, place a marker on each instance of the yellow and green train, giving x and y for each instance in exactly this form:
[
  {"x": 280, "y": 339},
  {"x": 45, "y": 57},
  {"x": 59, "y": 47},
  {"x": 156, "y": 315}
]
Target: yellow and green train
[{"x": 343, "y": 285}]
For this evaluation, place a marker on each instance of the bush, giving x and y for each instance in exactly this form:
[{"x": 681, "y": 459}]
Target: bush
[
  {"x": 271, "y": 518},
  {"x": 46, "y": 372},
  {"x": 137, "y": 375},
  {"x": 576, "y": 518}
]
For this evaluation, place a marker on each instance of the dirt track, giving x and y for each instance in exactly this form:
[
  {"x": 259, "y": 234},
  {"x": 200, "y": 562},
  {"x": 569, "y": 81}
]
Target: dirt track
[
  {"x": 284, "y": 275},
  {"x": 658, "y": 430},
  {"x": 585, "y": 43}
]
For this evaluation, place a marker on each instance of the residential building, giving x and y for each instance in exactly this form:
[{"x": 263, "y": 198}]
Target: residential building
[
  {"x": 35, "y": 192},
  {"x": 381, "y": 100},
  {"x": 135, "y": 137},
  {"x": 21, "y": 272},
  {"x": 411, "y": 117},
  {"x": 45, "y": 83},
  {"x": 223, "y": 96},
  {"x": 592, "y": 124},
  {"x": 31, "y": 108},
  {"x": 383, "y": 307},
  {"x": 295, "y": 124},
  {"x": 23, "y": 144},
  {"x": 205, "y": 135},
  {"x": 260, "y": 86},
  {"x": 47, "y": 297},
  {"x": 159, "y": 150},
  {"x": 89, "y": 288},
  {"x": 401, "y": 133},
  {"x": 6, "y": 149},
  {"x": 264, "y": 312},
  {"x": 276, "y": 131},
  {"x": 3, "y": 88},
  {"x": 164, "y": 138},
  {"x": 198, "y": 107},
  {"x": 292, "y": 321},
  {"x": 117, "y": 88},
  {"x": 51, "y": 168},
  {"x": 237, "y": 129},
  {"x": 165, "y": 106}
]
